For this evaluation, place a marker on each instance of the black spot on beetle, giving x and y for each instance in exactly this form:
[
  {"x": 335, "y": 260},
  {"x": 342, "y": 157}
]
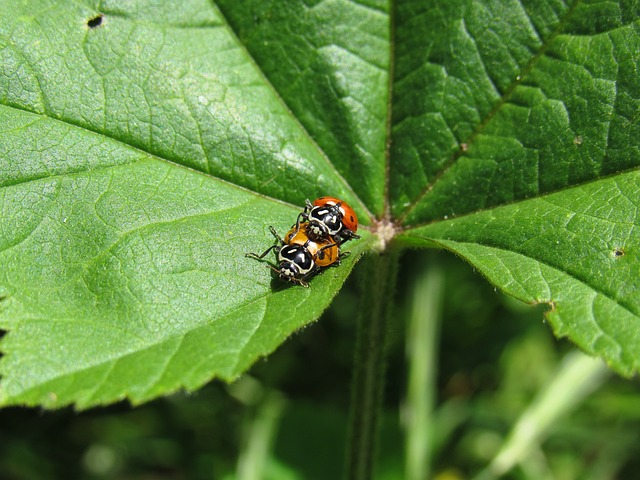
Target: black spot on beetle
[{"x": 95, "y": 22}]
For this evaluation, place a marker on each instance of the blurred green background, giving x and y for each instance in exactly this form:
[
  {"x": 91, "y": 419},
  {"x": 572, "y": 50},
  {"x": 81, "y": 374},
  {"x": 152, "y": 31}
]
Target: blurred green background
[{"x": 494, "y": 356}]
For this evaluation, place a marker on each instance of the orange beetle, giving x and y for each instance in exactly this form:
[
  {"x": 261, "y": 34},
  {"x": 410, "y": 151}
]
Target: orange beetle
[{"x": 324, "y": 252}]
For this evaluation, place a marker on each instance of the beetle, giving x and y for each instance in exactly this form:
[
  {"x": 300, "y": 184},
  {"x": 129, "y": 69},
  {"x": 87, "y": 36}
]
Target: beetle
[
  {"x": 299, "y": 257},
  {"x": 329, "y": 218}
]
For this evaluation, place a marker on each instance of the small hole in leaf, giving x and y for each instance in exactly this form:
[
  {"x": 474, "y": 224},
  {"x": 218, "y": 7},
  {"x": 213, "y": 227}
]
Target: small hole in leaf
[
  {"x": 95, "y": 21},
  {"x": 577, "y": 140},
  {"x": 618, "y": 252}
]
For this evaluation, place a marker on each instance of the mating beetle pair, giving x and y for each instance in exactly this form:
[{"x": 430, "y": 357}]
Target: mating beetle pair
[{"x": 314, "y": 241}]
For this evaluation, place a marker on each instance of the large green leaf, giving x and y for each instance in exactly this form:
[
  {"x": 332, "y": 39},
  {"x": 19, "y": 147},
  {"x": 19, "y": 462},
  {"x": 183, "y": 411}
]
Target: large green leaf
[
  {"x": 146, "y": 146},
  {"x": 530, "y": 98},
  {"x": 123, "y": 227}
]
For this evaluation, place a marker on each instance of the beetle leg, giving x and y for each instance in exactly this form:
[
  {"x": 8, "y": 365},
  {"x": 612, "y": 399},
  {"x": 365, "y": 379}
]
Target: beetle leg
[
  {"x": 275, "y": 234},
  {"x": 297, "y": 225},
  {"x": 260, "y": 257},
  {"x": 307, "y": 206}
]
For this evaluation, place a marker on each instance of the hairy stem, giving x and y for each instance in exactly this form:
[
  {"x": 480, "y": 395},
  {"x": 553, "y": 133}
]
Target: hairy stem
[{"x": 378, "y": 277}]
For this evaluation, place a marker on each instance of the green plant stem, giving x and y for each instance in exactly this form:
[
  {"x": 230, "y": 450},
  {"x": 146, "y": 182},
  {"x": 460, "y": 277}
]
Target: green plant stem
[
  {"x": 260, "y": 435},
  {"x": 578, "y": 376},
  {"x": 422, "y": 347},
  {"x": 378, "y": 277}
]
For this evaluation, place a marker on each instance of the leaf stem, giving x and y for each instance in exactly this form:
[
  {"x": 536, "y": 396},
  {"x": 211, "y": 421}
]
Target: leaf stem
[{"x": 378, "y": 278}]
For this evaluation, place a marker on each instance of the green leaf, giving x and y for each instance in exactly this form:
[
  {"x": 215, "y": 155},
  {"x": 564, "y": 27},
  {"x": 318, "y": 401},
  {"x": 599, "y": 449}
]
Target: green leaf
[
  {"x": 137, "y": 158},
  {"x": 576, "y": 249},
  {"x": 530, "y": 100},
  {"x": 131, "y": 280},
  {"x": 520, "y": 99},
  {"x": 329, "y": 61},
  {"x": 147, "y": 146}
]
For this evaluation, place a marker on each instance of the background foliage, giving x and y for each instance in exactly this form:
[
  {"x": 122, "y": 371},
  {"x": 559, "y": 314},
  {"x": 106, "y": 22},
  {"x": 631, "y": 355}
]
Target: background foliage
[{"x": 147, "y": 146}]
